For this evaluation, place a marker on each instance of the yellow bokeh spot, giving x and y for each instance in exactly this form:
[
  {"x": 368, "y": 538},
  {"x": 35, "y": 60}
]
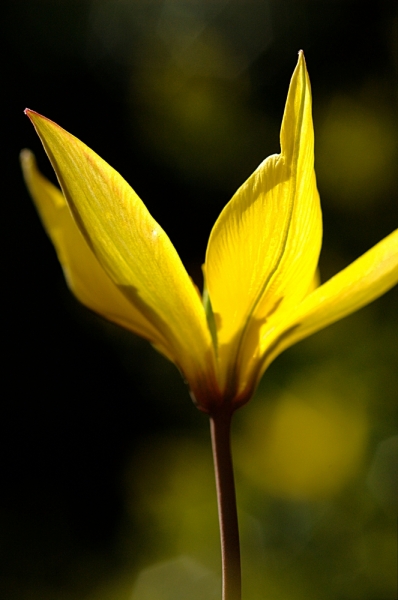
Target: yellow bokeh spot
[{"x": 303, "y": 448}]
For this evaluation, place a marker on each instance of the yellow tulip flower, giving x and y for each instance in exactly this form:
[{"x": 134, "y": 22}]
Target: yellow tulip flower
[{"x": 261, "y": 294}]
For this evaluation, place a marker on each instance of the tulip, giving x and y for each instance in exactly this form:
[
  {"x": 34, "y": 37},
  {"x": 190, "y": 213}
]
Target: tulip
[{"x": 261, "y": 291}]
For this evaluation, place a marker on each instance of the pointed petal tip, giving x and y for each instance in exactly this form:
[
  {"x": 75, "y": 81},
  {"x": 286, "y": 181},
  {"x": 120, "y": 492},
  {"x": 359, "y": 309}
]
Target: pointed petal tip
[
  {"x": 29, "y": 111},
  {"x": 31, "y": 114},
  {"x": 26, "y": 157},
  {"x": 36, "y": 117},
  {"x": 301, "y": 64},
  {"x": 25, "y": 153},
  {"x": 301, "y": 59}
]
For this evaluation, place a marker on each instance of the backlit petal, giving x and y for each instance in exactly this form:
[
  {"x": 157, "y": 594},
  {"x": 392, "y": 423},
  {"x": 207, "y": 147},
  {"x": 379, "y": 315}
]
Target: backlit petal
[
  {"x": 84, "y": 275},
  {"x": 264, "y": 248},
  {"x": 364, "y": 280},
  {"x": 134, "y": 251}
]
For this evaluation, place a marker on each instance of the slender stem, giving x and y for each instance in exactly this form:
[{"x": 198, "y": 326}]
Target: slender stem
[{"x": 220, "y": 427}]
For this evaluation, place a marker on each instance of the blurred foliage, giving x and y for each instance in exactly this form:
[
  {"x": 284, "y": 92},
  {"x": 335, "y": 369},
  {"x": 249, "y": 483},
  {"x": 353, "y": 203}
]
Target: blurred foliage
[
  {"x": 357, "y": 149},
  {"x": 107, "y": 478},
  {"x": 305, "y": 446}
]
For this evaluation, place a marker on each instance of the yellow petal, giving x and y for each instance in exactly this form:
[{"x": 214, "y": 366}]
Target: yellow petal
[
  {"x": 84, "y": 275},
  {"x": 264, "y": 248},
  {"x": 364, "y": 280},
  {"x": 133, "y": 250}
]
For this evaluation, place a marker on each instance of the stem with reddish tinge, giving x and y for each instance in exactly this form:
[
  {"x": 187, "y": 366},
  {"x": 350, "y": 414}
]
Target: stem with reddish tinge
[{"x": 220, "y": 426}]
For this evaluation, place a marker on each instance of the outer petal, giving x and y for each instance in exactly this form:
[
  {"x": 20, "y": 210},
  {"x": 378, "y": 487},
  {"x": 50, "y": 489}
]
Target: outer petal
[
  {"x": 364, "y": 280},
  {"x": 134, "y": 251},
  {"x": 264, "y": 248},
  {"x": 85, "y": 276}
]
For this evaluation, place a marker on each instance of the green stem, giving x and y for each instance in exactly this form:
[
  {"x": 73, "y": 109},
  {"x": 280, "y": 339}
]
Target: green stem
[{"x": 220, "y": 427}]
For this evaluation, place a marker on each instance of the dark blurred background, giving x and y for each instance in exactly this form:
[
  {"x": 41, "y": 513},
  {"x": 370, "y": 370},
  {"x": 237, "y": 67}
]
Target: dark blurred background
[{"x": 105, "y": 463}]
